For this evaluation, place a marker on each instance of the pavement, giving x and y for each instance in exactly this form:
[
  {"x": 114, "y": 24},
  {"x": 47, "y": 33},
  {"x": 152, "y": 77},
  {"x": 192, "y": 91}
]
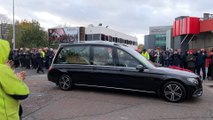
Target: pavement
[
  {"x": 48, "y": 102},
  {"x": 209, "y": 85}
]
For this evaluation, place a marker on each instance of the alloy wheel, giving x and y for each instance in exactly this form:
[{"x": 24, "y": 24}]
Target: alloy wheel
[
  {"x": 65, "y": 82},
  {"x": 174, "y": 92}
]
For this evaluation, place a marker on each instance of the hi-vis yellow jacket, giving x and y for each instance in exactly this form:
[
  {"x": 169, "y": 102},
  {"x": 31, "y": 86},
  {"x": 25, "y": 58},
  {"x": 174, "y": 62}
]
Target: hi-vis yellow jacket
[
  {"x": 11, "y": 88},
  {"x": 146, "y": 55}
]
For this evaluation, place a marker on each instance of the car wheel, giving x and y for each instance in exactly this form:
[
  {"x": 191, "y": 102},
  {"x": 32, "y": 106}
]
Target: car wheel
[
  {"x": 65, "y": 82},
  {"x": 174, "y": 91}
]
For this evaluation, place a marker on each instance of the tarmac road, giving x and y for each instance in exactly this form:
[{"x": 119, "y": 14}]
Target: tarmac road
[{"x": 48, "y": 102}]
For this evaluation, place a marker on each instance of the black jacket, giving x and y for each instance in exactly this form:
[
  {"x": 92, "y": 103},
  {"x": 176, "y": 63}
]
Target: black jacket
[
  {"x": 201, "y": 58},
  {"x": 176, "y": 59}
]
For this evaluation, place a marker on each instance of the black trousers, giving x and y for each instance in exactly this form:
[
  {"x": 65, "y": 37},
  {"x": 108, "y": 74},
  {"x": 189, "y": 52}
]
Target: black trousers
[
  {"x": 40, "y": 68},
  {"x": 47, "y": 64},
  {"x": 27, "y": 63},
  {"x": 16, "y": 63},
  {"x": 20, "y": 112},
  {"x": 210, "y": 71},
  {"x": 199, "y": 67}
]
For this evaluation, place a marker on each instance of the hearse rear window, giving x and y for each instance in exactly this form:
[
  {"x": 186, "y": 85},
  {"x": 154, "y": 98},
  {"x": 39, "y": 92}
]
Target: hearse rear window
[{"x": 73, "y": 55}]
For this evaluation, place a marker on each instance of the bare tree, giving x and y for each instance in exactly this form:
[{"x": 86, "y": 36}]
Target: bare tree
[
  {"x": 4, "y": 18},
  {"x": 4, "y": 24}
]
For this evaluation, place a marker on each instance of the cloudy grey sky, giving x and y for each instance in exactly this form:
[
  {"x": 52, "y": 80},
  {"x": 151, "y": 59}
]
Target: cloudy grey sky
[{"x": 132, "y": 17}]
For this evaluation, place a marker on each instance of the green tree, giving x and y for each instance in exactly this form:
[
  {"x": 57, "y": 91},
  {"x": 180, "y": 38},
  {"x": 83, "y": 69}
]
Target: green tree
[{"x": 29, "y": 34}]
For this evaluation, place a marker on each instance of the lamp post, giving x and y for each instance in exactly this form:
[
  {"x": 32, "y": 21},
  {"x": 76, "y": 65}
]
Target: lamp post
[{"x": 14, "y": 34}]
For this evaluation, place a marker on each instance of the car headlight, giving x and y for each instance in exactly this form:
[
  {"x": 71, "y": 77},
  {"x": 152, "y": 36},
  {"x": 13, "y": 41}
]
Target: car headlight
[{"x": 193, "y": 80}]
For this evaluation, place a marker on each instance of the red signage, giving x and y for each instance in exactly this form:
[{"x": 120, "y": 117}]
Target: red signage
[
  {"x": 206, "y": 25},
  {"x": 188, "y": 25}
]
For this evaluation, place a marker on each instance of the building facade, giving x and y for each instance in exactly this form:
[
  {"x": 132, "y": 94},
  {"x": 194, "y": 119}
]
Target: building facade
[
  {"x": 90, "y": 33},
  {"x": 158, "y": 37},
  {"x": 194, "y": 32},
  {"x": 186, "y": 33},
  {"x": 99, "y": 33}
]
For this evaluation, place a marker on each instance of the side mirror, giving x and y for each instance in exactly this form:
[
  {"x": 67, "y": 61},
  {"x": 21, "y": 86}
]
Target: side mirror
[{"x": 140, "y": 68}]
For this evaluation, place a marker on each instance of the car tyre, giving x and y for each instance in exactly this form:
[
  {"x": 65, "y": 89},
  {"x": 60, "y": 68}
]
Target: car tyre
[
  {"x": 65, "y": 82},
  {"x": 173, "y": 91}
]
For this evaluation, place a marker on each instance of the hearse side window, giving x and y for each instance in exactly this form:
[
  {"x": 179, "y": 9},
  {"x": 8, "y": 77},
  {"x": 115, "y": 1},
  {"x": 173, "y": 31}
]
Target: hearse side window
[
  {"x": 126, "y": 60},
  {"x": 73, "y": 55},
  {"x": 102, "y": 56}
]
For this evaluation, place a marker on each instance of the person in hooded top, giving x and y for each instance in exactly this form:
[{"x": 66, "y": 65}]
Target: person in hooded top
[{"x": 12, "y": 87}]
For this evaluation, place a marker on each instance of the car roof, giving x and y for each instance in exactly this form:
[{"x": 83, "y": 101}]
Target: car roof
[{"x": 94, "y": 43}]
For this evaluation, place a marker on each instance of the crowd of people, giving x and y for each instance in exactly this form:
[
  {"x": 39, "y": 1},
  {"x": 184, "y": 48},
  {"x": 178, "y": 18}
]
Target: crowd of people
[
  {"x": 32, "y": 58},
  {"x": 195, "y": 61}
]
